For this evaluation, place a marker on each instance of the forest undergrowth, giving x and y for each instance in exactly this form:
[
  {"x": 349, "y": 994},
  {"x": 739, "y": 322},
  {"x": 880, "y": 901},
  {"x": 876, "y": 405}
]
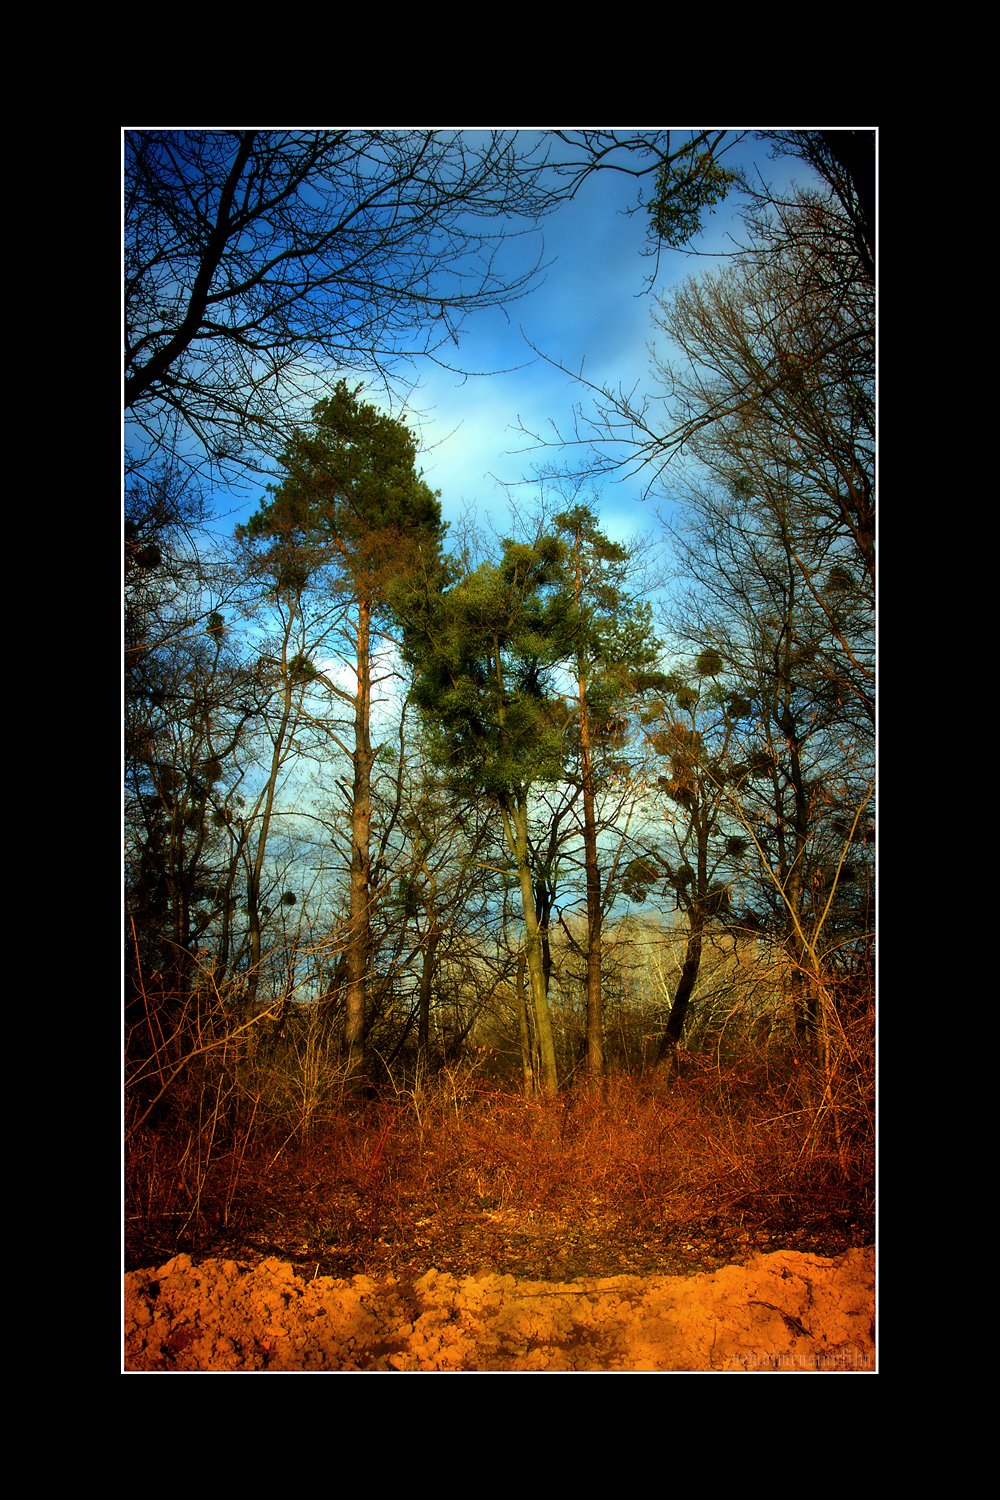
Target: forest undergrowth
[{"x": 664, "y": 1171}]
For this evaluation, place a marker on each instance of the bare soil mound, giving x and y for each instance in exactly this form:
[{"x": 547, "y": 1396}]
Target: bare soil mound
[{"x": 787, "y": 1311}]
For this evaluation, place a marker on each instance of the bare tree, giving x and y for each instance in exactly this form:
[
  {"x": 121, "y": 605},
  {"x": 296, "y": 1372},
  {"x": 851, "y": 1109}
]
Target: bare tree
[
  {"x": 254, "y": 259},
  {"x": 691, "y": 729},
  {"x": 614, "y": 657},
  {"x": 820, "y": 238}
]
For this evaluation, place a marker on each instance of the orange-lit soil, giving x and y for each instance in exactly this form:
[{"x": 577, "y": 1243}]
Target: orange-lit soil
[{"x": 787, "y": 1311}]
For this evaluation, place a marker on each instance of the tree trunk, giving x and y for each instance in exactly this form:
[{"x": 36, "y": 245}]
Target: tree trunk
[
  {"x": 545, "y": 896},
  {"x": 670, "y": 1040},
  {"x": 524, "y": 1030},
  {"x": 427, "y": 967},
  {"x": 358, "y": 947},
  {"x": 256, "y": 869},
  {"x": 515, "y": 821},
  {"x": 595, "y": 916},
  {"x": 804, "y": 981}
]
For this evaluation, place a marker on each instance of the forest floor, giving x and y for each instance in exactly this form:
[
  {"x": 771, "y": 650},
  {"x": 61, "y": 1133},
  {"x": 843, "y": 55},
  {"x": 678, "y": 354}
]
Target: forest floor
[{"x": 629, "y": 1233}]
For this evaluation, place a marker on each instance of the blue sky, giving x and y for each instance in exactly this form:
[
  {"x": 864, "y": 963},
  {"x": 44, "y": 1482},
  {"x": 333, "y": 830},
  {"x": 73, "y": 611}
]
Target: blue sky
[
  {"x": 587, "y": 312},
  {"x": 591, "y": 308}
]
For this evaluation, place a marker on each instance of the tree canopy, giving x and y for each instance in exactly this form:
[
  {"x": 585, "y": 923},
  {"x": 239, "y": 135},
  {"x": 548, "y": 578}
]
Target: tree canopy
[
  {"x": 523, "y": 810},
  {"x": 484, "y": 653},
  {"x": 351, "y": 497}
]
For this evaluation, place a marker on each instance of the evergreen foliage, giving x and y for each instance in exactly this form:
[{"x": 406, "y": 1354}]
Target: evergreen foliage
[
  {"x": 351, "y": 497},
  {"x": 288, "y": 847}
]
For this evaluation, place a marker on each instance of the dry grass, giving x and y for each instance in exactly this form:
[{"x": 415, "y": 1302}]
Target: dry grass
[{"x": 640, "y": 1173}]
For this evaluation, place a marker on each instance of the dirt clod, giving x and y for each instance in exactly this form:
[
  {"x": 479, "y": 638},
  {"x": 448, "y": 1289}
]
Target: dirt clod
[{"x": 787, "y": 1311}]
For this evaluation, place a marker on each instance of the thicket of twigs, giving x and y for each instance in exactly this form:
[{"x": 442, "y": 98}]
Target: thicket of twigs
[{"x": 244, "y": 1139}]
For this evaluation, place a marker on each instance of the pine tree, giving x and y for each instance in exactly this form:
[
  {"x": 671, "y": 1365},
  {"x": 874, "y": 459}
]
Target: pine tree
[
  {"x": 354, "y": 516},
  {"x": 484, "y": 651},
  {"x": 613, "y": 657}
]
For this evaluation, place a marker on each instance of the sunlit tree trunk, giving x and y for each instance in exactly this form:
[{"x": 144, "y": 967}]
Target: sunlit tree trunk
[
  {"x": 524, "y": 1029},
  {"x": 515, "y": 822},
  {"x": 612, "y": 646},
  {"x": 358, "y": 949}
]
